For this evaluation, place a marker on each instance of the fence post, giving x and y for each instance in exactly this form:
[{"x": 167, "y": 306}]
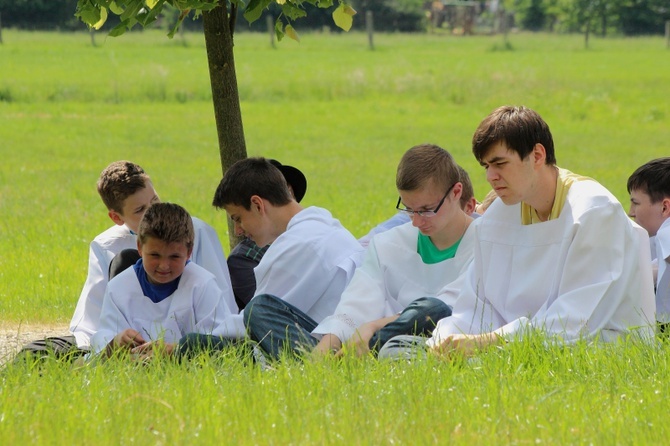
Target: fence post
[
  {"x": 369, "y": 27},
  {"x": 271, "y": 29}
]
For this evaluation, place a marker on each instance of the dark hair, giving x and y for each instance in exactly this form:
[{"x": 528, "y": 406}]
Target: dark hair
[
  {"x": 167, "y": 222},
  {"x": 468, "y": 191},
  {"x": 248, "y": 177},
  {"x": 426, "y": 162},
  {"x": 118, "y": 181},
  {"x": 519, "y": 128},
  {"x": 652, "y": 178}
]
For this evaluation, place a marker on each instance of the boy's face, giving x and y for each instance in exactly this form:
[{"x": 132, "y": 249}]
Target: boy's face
[
  {"x": 251, "y": 223},
  {"x": 134, "y": 207},
  {"x": 511, "y": 177},
  {"x": 163, "y": 262},
  {"x": 428, "y": 198},
  {"x": 647, "y": 214}
]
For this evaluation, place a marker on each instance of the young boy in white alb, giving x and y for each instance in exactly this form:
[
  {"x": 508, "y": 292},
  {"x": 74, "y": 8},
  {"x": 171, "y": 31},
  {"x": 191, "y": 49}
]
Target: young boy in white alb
[
  {"x": 150, "y": 306},
  {"x": 393, "y": 292},
  {"x": 649, "y": 189}
]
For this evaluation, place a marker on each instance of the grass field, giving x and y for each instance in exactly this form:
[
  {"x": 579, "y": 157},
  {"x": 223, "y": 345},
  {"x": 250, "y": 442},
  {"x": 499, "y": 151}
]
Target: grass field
[{"x": 344, "y": 115}]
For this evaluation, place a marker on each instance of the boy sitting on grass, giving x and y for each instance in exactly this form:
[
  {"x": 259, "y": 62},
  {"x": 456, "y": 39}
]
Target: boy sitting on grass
[
  {"x": 127, "y": 192},
  {"x": 649, "y": 189},
  {"x": 405, "y": 268},
  {"x": 310, "y": 261},
  {"x": 147, "y": 308}
]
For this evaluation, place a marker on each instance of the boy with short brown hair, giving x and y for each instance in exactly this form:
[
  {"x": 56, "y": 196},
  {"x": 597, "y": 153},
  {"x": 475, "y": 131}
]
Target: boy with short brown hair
[{"x": 163, "y": 296}]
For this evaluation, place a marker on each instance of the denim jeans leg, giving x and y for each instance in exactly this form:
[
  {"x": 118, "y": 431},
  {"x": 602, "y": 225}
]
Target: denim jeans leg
[
  {"x": 278, "y": 326},
  {"x": 418, "y": 319},
  {"x": 194, "y": 344}
]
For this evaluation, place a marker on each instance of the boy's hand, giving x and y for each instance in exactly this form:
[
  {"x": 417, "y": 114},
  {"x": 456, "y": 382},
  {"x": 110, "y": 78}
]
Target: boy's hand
[
  {"x": 360, "y": 341},
  {"x": 465, "y": 345},
  {"x": 329, "y": 344},
  {"x": 128, "y": 338},
  {"x": 150, "y": 349}
]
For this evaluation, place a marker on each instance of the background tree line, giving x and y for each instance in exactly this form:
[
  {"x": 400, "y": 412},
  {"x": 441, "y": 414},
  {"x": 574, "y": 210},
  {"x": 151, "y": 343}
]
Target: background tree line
[{"x": 600, "y": 17}]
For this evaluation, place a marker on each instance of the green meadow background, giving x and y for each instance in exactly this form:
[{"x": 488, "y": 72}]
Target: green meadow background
[{"x": 344, "y": 115}]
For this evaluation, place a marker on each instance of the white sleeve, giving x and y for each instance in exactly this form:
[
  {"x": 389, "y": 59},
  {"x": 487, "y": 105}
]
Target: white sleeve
[
  {"x": 86, "y": 317},
  {"x": 472, "y": 315},
  {"x": 363, "y": 300},
  {"x": 112, "y": 322},
  {"x": 294, "y": 273},
  {"x": 212, "y": 315}
]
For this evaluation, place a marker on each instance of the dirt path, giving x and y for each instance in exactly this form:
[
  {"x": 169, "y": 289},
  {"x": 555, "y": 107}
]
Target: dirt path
[{"x": 14, "y": 335}]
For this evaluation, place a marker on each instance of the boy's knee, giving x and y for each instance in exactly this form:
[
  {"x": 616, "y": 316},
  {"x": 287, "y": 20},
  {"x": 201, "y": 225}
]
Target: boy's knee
[{"x": 259, "y": 307}]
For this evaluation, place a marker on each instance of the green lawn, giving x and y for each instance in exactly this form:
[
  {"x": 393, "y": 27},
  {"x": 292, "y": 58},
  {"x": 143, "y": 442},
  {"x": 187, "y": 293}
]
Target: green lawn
[{"x": 344, "y": 115}]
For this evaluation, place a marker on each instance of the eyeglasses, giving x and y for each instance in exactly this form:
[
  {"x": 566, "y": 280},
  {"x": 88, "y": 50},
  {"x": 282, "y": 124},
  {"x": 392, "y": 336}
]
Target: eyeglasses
[{"x": 426, "y": 213}]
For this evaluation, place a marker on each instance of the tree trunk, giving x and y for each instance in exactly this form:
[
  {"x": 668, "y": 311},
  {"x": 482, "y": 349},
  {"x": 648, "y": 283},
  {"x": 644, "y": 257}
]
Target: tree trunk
[
  {"x": 587, "y": 33},
  {"x": 225, "y": 95}
]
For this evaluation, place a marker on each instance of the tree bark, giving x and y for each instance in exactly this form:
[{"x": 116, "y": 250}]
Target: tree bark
[{"x": 225, "y": 95}]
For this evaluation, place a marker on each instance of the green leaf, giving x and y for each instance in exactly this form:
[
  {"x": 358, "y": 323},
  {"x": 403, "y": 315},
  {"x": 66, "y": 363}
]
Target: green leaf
[
  {"x": 155, "y": 10},
  {"x": 325, "y": 3},
  {"x": 151, "y": 3},
  {"x": 254, "y": 10},
  {"x": 103, "y": 19},
  {"x": 292, "y": 11},
  {"x": 343, "y": 16},
  {"x": 120, "y": 28},
  {"x": 116, "y": 9},
  {"x": 132, "y": 10},
  {"x": 87, "y": 13},
  {"x": 289, "y": 31},
  {"x": 279, "y": 30}
]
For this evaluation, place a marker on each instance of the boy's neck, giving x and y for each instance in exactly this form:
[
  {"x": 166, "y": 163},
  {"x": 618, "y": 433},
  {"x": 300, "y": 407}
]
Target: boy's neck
[
  {"x": 452, "y": 233},
  {"x": 281, "y": 216},
  {"x": 543, "y": 200}
]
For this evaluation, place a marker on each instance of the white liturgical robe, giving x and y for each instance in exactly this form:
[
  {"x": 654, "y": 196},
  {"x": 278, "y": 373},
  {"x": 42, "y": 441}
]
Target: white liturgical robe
[
  {"x": 310, "y": 264},
  {"x": 584, "y": 275},
  {"x": 207, "y": 252},
  {"x": 196, "y": 306},
  {"x": 392, "y": 276}
]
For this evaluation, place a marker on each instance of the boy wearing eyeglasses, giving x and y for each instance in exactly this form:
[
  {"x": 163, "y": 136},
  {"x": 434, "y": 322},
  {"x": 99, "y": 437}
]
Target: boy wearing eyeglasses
[{"x": 405, "y": 268}]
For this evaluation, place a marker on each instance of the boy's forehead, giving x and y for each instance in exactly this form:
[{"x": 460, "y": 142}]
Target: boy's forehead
[
  {"x": 232, "y": 209},
  {"x": 498, "y": 151},
  {"x": 639, "y": 195}
]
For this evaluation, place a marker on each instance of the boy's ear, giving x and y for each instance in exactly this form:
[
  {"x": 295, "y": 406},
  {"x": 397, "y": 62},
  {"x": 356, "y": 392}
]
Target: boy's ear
[
  {"x": 539, "y": 154},
  {"x": 257, "y": 203},
  {"x": 116, "y": 217},
  {"x": 470, "y": 206},
  {"x": 665, "y": 207}
]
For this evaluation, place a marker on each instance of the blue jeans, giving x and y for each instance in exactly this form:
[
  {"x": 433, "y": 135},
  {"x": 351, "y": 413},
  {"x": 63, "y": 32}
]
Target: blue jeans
[
  {"x": 417, "y": 319},
  {"x": 278, "y": 326},
  {"x": 194, "y": 344}
]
